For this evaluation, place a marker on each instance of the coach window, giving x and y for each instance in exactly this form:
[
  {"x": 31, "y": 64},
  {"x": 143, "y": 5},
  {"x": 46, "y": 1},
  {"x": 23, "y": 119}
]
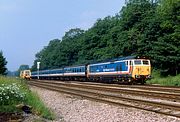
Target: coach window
[
  {"x": 94, "y": 69},
  {"x": 137, "y": 62},
  {"x": 130, "y": 62},
  {"x": 145, "y": 62},
  {"x": 97, "y": 68}
]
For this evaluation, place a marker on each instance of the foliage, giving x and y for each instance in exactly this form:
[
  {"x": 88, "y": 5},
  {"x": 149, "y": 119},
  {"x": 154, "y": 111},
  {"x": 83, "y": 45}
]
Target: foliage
[
  {"x": 11, "y": 94},
  {"x": 15, "y": 91},
  {"x": 166, "y": 81},
  {"x": 23, "y": 67},
  {"x": 167, "y": 47},
  {"x": 3, "y": 63},
  {"x": 38, "y": 106},
  {"x": 142, "y": 27}
]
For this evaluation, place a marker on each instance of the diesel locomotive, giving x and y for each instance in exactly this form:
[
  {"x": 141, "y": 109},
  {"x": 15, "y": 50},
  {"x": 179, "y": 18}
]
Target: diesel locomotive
[
  {"x": 124, "y": 70},
  {"x": 25, "y": 74}
]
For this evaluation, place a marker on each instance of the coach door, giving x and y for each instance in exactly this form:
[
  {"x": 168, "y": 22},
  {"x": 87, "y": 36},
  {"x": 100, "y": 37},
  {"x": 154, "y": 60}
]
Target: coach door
[
  {"x": 130, "y": 67},
  {"x": 87, "y": 71}
]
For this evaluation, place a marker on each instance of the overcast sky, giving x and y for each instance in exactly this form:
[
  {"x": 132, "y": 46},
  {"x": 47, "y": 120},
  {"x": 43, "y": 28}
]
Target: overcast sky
[{"x": 26, "y": 26}]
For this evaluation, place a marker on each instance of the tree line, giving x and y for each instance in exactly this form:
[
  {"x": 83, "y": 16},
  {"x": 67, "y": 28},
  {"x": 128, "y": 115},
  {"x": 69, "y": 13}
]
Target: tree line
[
  {"x": 3, "y": 62},
  {"x": 141, "y": 28}
]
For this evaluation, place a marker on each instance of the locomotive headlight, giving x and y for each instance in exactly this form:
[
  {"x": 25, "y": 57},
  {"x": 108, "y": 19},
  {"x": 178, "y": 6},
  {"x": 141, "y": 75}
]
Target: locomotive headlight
[
  {"x": 149, "y": 76},
  {"x": 137, "y": 76}
]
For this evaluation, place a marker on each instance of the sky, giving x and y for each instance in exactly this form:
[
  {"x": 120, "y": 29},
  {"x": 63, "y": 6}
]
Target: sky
[{"x": 26, "y": 26}]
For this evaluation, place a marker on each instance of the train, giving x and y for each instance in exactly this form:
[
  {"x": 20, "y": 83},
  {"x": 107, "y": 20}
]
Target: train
[
  {"x": 25, "y": 74},
  {"x": 131, "y": 69}
]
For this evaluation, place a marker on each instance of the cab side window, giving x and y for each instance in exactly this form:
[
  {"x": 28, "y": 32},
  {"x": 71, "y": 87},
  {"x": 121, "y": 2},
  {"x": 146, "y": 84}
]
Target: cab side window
[
  {"x": 130, "y": 63},
  {"x": 126, "y": 63}
]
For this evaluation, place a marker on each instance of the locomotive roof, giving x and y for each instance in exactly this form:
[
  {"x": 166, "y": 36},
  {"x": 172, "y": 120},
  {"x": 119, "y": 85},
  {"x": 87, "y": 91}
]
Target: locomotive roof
[
  {"x": 113, "y": 60},
  {"x": 118, "y": 59}
]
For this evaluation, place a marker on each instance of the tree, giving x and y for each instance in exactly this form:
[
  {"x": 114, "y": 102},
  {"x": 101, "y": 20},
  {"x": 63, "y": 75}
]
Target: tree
[
  {"x": 3, "y": 63},
  {"x": 72, "y": 33},
  {"x": 167, "y": 48},
  {"x": 142, "y": 27},
  {"x": 23, "y": 67}
]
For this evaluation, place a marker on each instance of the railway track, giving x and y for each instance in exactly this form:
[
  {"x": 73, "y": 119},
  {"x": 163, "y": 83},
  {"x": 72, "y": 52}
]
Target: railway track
[
  {"x": 171, "y": 89},
  {"x": 120, "y": 89},
  {"x": 113, "y": 94}
]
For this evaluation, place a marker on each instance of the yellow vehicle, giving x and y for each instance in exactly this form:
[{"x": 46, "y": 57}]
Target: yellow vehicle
[
  {"x": 141, "y": 69},
  {"x": 25, "y": 74}
]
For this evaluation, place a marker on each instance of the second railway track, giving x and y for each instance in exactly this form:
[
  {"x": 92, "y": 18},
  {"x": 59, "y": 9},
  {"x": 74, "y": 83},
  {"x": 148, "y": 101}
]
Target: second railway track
[{"x": 159, "y": 101}]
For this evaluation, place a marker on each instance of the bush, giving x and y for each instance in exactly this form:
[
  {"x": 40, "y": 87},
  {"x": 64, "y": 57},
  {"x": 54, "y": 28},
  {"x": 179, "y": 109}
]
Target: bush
[
  {"x": 11, "y": 94},
  {"x": 14, "y": 91},
  {"x": 166, "y": 81}
]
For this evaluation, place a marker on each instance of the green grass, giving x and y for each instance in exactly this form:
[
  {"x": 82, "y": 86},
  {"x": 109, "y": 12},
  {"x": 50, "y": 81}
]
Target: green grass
[
  {"x": 9, "y": 109},
  {"x": 10, "y": 88},
  {"x": 38, "y": 106},
  {"x": 165, "y": 81}
]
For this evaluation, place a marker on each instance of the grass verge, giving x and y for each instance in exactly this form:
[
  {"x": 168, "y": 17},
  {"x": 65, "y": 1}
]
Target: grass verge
[
  {"x": 165, "y": 81},
  {"x": 38, "y": 106},
  {"x": 14, "y": 91}
]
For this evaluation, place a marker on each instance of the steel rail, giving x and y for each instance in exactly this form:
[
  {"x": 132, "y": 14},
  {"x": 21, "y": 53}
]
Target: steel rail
[
  {"x": 171, "y": 89},
  {"x": 159, "y": 107},
  {"x": 153, "y": 94}
]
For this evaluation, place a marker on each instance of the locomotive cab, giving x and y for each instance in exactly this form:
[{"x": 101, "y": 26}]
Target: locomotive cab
[
  {"x": 141, "y": 70},
  {"x": 25, "y": 74}
]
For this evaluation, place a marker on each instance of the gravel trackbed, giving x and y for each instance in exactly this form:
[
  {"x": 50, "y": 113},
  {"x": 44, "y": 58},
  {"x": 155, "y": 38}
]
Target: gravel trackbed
[{"x": 70, "y": 108}]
